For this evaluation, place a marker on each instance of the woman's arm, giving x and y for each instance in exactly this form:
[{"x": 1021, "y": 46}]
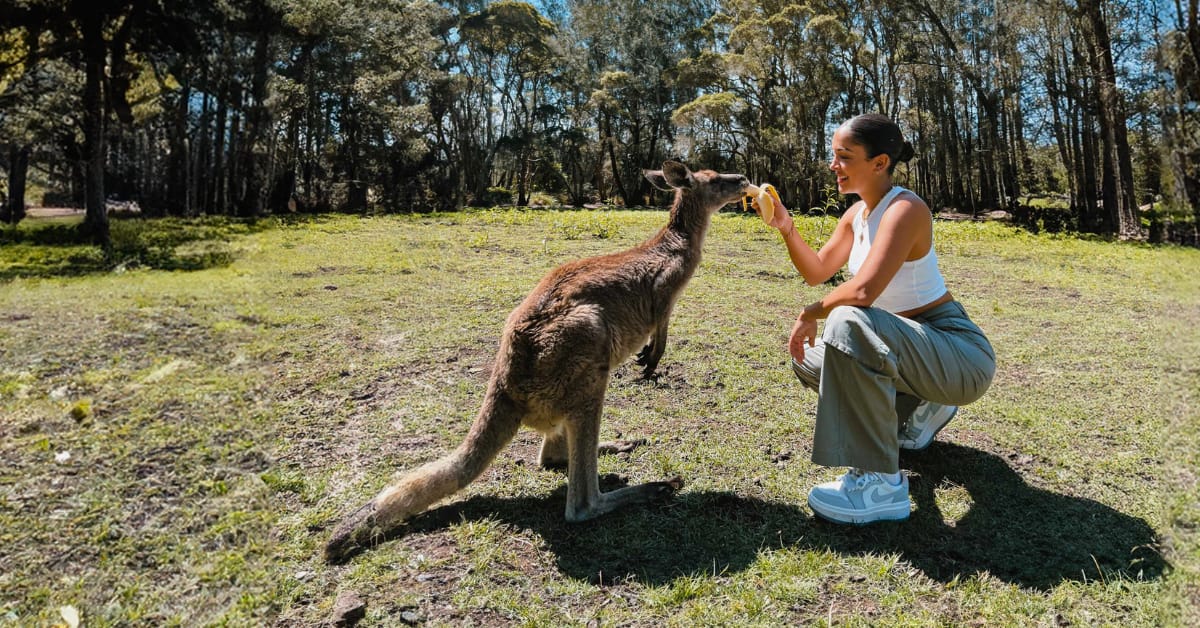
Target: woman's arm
[
  {"x": 900, "y": 232},
  {"x": 815, "y": 266}
]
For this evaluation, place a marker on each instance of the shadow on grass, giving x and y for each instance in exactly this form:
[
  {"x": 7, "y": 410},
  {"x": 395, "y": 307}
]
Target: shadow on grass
[
  {"x": 1017, "y": 533},
  {"x": 50, "y": 248}
]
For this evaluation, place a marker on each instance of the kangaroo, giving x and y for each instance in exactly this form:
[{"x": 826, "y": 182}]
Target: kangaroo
[{"x": 552, "y": 368}]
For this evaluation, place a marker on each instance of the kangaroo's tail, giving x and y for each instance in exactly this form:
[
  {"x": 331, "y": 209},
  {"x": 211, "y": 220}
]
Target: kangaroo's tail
[{"x": 417, "y": 490}]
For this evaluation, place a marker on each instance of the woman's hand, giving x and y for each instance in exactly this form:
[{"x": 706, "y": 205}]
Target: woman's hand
[
  {"x": 780, "y": 219},
  {"x": 804, "y": 331}
]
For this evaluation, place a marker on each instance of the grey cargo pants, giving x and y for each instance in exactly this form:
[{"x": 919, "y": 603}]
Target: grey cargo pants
[{"x": 872, "y": 368}]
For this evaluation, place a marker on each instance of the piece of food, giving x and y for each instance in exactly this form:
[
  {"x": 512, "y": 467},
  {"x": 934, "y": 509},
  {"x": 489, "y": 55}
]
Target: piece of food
[
  {"x": 750, "y": 200},
  {"x": 760, "y": 197},
  {"x": 766, "y": 202}
]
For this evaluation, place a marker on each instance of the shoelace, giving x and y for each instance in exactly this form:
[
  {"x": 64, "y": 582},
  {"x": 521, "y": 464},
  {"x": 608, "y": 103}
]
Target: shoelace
[{"x": 861, "y": 478}]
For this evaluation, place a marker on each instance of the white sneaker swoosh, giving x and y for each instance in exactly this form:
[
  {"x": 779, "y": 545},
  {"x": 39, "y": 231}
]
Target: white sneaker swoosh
[{"x": 872, "y": 494}]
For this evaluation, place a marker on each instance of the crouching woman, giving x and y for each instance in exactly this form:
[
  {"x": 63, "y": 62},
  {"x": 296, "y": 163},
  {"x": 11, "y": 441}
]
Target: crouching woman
[{"x": 897, "y": 354}]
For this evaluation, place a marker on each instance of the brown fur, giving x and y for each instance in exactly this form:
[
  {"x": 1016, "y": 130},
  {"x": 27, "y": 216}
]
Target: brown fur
[{"x": 556, "y": 352}]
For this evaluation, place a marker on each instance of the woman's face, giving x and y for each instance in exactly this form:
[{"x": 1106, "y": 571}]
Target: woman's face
[{"x": 851, "y": 165}]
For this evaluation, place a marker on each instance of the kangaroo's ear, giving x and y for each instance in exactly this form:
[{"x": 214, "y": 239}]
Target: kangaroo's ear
[
  {"x": 677, "y": 174},
  {"x": 656, "y": 178}
]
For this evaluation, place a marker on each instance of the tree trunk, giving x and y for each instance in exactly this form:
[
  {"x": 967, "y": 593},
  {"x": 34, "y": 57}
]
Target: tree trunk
[
  {"x": 1181, "y": 119},
  {"x": 1120, "y": 205},
  {"x": 200, "y": 192},
  {"x": 252, "y": 170},
  {"x": 952, "y": 140},
  {"x": 233, "y": 170},
  {"x": 1062, "y": 136},
  {"x": 1083, "y": 137},
  {"x": 218, "y": 199},
  {"x": 356, "y": 191},
  {"x": 95, "y": 222},
  {"x": 18, "y": 167},
  {"x": 610, "y": 143},
  {"x": 178, "y": 166}
]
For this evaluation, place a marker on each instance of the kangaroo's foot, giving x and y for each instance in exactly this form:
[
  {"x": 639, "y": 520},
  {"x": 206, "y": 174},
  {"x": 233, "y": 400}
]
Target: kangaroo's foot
[
  {"x": 552, "y": 465},
  {"x": 630, "y": 495},
  {"x": 620, "y": 446},
  {"x": 355, "y": 533}
]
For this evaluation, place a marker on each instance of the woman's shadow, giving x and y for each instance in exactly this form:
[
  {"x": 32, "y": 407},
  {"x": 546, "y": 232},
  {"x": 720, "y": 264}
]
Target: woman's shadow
[{"x": 1015, "y": 532}]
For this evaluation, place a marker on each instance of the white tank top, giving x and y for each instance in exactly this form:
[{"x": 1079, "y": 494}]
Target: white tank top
[{"x": 917, "y": 283}]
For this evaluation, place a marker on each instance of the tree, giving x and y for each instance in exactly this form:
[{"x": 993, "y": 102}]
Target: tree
[
  {"x": 1118, "y": 198},
  {"x": 1180, "y": 54},
  {"x": 517, "y": 46},
  {"x": 632, "y": 49},
  {"x": 99, "y": 36}
]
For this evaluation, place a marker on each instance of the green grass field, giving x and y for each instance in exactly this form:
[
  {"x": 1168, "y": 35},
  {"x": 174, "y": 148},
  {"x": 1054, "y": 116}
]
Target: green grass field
[{"x": 176, "y": 444}]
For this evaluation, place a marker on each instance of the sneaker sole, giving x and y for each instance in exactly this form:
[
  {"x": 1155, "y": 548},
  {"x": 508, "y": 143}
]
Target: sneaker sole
[
  {"x": 933, "y": 437},
  {"x": 860, "y": 519}
]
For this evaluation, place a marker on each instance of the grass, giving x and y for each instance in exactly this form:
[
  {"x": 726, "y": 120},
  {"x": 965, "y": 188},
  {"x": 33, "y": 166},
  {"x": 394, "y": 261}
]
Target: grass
[{"x": 219, "y": 420}]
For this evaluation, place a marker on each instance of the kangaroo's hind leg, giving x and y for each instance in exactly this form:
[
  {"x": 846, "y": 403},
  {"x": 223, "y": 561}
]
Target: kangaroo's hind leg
[{"x": 584, "y": 499}]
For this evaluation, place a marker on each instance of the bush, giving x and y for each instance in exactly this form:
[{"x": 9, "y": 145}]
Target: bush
[
  {"x": 542, "y": 199},
  {"x": 1045, "y": 216},
  {"x": 496, "y": 196},
  {"x": 1170, "y": 223}
]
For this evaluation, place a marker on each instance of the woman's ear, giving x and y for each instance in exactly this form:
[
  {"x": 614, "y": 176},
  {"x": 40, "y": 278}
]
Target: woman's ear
[{"x": 881, "y": 162}]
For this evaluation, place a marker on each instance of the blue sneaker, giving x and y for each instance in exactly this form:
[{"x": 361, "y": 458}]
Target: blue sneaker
[
  {"x": 860, "y": 497},
  {"x": 926, "y": 421}
]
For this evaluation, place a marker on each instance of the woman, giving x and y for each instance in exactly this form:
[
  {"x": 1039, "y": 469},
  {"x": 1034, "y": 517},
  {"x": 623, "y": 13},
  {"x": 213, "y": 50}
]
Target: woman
[{"x": 897, "y": 354}]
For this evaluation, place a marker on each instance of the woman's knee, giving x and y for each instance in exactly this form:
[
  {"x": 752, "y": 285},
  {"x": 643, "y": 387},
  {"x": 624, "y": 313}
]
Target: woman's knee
[
  {"x": 852, "y": 331},
  {"x": 846, "y": 321},
  {"x": 808, "y": 374}
]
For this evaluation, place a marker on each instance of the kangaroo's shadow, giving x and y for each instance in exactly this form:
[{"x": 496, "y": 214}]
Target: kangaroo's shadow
[{"x": 1015, "y": 532}]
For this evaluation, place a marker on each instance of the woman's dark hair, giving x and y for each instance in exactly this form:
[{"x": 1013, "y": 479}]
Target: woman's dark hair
[{"x": 878, "y": 134}]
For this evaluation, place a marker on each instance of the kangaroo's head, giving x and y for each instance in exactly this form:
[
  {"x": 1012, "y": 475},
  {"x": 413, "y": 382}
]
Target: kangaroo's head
[{"x": 704, "y": 189}]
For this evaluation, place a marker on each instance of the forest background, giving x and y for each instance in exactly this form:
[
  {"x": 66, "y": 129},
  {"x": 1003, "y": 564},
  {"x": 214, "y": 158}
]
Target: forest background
[{"x": 1068, "y": 115}]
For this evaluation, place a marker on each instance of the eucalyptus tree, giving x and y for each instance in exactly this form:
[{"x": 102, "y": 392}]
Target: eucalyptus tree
[
  {"x": 102, "y": 38},
  {"x": 772, "y": 78},
  {"x": 520, "y": 55},
  {"x": 632, "y": 49},
  {"x": 1120, "y": 206},
  {"x": 1179, "y": 55},
  {"x": 351, "y": 97},
  {"x": 35, "y": 98},
  {"x": 576, "y": 159}
]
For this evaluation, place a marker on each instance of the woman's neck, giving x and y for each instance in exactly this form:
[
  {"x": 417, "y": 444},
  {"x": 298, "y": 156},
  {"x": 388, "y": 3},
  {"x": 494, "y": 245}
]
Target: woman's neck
[{"x": 875, "y": 192}]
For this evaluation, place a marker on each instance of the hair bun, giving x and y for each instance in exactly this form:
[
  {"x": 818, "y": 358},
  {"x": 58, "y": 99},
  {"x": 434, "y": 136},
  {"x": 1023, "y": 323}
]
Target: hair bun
[{"x": 906, "y": 153}]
